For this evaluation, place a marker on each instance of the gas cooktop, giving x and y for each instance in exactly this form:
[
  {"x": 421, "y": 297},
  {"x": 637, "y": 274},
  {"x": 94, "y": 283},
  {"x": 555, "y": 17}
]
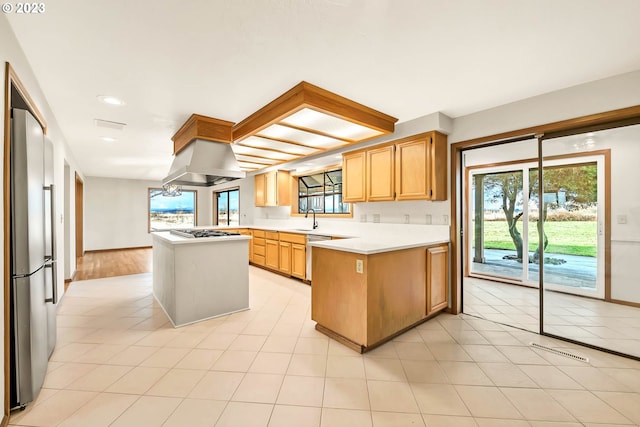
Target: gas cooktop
[{"x": 195, "y": 233}]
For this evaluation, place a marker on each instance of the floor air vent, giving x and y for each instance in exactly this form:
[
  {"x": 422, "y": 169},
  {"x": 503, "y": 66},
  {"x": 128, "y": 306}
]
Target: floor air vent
[{"x": 559, "y": 352}]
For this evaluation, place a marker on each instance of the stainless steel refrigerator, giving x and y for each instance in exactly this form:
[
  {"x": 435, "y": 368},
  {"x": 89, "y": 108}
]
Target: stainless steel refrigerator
[{"x": 33, "y": 257}]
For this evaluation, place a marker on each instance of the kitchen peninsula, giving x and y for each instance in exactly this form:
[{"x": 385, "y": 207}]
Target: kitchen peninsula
[
  {"x": 368, "y": 290},
  {"x": 200, "y": 278}
]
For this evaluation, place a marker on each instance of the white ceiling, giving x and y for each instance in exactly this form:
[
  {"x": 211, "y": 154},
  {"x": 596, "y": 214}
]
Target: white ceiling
[{"x": 227, "y": 58}]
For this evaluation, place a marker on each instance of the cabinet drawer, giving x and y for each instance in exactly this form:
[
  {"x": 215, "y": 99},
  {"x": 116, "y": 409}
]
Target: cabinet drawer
[
  {"x": 258, "y": 259},
  {"x": 271, "y": 235},
  {"x": 258, "y": 250},
  {"x": 258, "y": 241},
  {"x": 258, "y": 233},
  {"x": 293, "y": 238}
]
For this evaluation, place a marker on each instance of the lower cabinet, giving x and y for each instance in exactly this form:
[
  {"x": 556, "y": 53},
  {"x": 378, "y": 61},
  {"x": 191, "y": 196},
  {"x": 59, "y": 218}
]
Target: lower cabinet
[
  {"x": 299, "y": 260},
  {"x": 293, "y": 254},
  {"x": 283, "y": 252},
  {"x": 365, "y": 300},
  {"x": 251, "y": 246},
  {"x": 437, "y": 278},
  {"x": 259, "y": 251},
  {"x": 271, "y": 257},
  {"x": 285, "y": 257}
]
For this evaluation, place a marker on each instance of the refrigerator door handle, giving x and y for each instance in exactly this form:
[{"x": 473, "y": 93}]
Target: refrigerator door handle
[
  {"x": 53, "y": 265},
  {"x": 52, "y": 254}
]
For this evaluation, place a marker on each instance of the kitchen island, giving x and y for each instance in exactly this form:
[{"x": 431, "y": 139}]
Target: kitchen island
[
  {"x": 196, "y": 279},
  {"x": 368, "y": 290}
]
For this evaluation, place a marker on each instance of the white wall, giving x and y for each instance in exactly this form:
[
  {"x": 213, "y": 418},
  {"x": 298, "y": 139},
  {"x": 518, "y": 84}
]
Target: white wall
[
  {"x": 117, "y": 211},
  {"x": 590, "y": 98}
]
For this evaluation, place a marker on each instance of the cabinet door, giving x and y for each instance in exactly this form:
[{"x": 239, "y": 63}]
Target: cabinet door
[
  {"x": 285, "y": 257},
  {"x": 412, "y": 180},
  {"x": 380, "y": 174},
  {"x": 354, "y": 177},
  {"x": 271, "y": 254},
  {"x": 283, "y": 190},
  {"x": 437, "y": 161},
  {"x": 259, "y": 190},
  {"x": 271, "y": 188},
  {"x": 437, "y": 278},
  {"x": 298, "y": 260}
]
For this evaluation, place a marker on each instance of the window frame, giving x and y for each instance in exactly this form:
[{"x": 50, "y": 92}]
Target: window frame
[
  {"x": 195, "y": 208},
  {"x": 295, "y": 192},
  {"x": 215, "y": 205}
]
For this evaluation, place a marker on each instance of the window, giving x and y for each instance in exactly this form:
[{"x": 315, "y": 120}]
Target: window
[
  {"x": 167, "y": 212},
  {"x": 322, "y": 192},
  {"x": 227, "y": 210}
]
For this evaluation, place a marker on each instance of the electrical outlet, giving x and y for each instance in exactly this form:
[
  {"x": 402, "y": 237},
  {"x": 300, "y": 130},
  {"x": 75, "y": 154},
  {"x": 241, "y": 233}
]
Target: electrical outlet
[
  {"x": 445, "y": 219},
  {"x": 406, "y": 219},
  {"x": 359, "y": 266},
  {"x": 427, "y": 219},
  {"x": 363, "y": 218},
  {"x": 622, "y": 219},
  {"x": 376, "y": 217}
]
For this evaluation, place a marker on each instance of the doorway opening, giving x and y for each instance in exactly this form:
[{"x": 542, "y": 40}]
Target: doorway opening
[{"x": 79, "y": 191}]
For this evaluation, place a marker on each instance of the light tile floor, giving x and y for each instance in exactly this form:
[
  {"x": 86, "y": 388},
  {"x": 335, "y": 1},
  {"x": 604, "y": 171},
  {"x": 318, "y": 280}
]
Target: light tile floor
[
  {"x": 120, "y": 363},
  {"x": 600, "y": 323}
]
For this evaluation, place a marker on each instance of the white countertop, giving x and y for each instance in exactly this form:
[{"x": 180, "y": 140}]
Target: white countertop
[
  {"x": 366, "y": 240},
  {"x": 368, "y": 245},
  {"x": 174, "y": 239},
  {"x": 316, "y": 232}
]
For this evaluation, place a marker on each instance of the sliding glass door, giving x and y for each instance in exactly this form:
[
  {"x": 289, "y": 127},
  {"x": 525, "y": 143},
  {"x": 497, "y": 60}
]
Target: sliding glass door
[
  {"x": 501, "y": 283},
  {"x": 590, "y": 292},
  {"x": 552, "y": 235}
]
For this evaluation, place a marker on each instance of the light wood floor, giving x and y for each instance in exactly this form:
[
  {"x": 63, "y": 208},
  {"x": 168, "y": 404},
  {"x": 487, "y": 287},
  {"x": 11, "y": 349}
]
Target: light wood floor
[{"x": 96, "y": 265}]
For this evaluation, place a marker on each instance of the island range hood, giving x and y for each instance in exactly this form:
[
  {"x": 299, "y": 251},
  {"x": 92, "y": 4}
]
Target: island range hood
[
  {"x": 204, "y": 163},
  {"x": 203, "y": 154}
]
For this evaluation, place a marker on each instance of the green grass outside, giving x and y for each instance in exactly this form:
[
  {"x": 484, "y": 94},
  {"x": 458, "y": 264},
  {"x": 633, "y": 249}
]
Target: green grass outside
[{"x": 564, "y": 237}]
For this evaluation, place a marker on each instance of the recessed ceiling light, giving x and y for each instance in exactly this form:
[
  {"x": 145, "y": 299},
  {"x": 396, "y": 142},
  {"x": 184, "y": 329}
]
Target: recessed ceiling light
[
  {"x": 111, "y": 100},
  {"x": 108, "y": 139}
]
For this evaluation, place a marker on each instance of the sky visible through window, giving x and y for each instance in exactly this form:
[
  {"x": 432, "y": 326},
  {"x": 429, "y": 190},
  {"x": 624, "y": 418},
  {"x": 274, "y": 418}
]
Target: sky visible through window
[{"x": 171, "y": 212}]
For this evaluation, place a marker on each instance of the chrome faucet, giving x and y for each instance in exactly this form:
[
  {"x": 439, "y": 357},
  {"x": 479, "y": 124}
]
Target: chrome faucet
[{"x": 306, "y": 215}]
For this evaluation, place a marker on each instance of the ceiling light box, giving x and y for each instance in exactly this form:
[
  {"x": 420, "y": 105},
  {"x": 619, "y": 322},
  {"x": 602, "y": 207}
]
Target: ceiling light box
[{"x": 303, "y": 121}]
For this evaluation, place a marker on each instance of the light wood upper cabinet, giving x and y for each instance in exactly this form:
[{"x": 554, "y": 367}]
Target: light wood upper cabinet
[
  {"x": 437, "y": 162},
  {"x": 273, "y": 189},
  {"x": 437, "y": 278},
  {"x": 380, "y": 174},
  {"x": 259, "y": 189},
  {"x": 412, "y": 168},
  {"x": 353, "y": 177},
  {"x": 412, "y": 164}
]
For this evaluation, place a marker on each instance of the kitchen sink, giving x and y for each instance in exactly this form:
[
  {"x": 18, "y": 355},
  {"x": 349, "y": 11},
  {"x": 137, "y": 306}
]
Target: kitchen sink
[{"x": 302, "y": 229}]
